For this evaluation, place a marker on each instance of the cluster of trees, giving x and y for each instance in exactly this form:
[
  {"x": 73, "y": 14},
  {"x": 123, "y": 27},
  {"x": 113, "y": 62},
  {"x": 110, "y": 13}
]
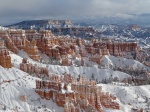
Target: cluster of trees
[{"x": 133, "y": 80}]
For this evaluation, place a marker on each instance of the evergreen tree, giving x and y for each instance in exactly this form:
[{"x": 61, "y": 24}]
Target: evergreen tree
[{"x": 93, "y": 77}]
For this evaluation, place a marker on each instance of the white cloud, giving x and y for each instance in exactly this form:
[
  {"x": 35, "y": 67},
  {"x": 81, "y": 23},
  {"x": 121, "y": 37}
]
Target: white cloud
[{"x": 14, "y": 10}]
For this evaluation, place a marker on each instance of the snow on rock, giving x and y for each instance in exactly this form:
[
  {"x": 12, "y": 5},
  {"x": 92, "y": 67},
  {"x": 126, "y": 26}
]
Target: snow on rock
[
  {"x": 43, "y": 56},
  {"x": 122, "y": 62},
  {"x": 3, "y": 28},
  {"x": 10, "y": 91},
  {"x": 129, "y": 95},
  {"x": 20, "y": 83},
  {"x": 23, "y": 54},
  {"x": 16, "y": 60},
  {"x": 98, "y": 74}
]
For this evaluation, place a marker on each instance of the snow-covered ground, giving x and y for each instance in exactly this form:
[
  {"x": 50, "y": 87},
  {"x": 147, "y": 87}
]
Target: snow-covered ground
[
  {"x": 3, "y": 28},
  {"x": 122, "y": 62},
  {"x": 137, "y": 96},
  {"x": 88, "y": 72},
  {"x": 22, "y": 83}
]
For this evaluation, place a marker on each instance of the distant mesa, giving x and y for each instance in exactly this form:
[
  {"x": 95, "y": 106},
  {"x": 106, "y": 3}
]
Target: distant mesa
[{"x": 41, "y": 24}]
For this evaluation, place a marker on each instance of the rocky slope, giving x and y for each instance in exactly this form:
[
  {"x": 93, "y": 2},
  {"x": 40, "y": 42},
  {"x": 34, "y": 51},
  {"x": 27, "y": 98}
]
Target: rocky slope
[{"x": 21, "y": 84}]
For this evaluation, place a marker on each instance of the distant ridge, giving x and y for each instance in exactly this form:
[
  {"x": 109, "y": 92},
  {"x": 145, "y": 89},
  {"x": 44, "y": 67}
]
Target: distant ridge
[{"x": 46, "y": 24}]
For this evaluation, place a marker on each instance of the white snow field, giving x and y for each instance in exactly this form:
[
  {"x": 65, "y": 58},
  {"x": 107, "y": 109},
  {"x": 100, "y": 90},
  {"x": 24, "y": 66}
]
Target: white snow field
[
  {"x": 17, "y": 83},
  {"x": 122, "y": 62},
  {"x": 21, "y": 84}
]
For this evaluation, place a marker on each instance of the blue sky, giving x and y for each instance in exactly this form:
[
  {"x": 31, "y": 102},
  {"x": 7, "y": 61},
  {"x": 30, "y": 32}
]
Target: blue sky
[{"x": 12, "y": 11}]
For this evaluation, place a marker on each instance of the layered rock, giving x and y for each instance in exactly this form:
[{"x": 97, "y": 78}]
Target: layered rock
[
  {"x": 5, "y": 59},
  {"x": 59, "y": 48},
  {"x": 16, "y": 40},
  {"x": 83, "y": 94},
  {"x": 33, "y": 69},
  {"x": 32, "y": 50}
]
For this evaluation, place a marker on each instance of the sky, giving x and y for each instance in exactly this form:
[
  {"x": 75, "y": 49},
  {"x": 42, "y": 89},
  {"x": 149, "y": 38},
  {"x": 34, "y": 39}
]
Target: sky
[{"x": 12, "y": 11}]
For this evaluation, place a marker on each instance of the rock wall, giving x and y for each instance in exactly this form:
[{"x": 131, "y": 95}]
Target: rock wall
[
  {"x": 83, "y": 94},
  {"x": 5, "y": 59},
  {"x": 60, "y": 47}
]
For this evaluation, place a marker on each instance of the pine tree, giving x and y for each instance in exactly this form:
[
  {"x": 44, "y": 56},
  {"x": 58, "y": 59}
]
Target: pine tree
[{"x": 92, "y": 77}]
